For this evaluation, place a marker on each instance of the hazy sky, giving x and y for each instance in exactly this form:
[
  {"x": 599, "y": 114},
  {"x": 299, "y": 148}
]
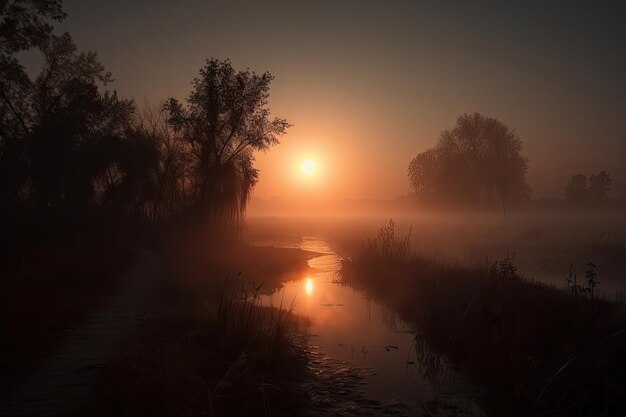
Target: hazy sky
[{"x": 369, "y": 84}]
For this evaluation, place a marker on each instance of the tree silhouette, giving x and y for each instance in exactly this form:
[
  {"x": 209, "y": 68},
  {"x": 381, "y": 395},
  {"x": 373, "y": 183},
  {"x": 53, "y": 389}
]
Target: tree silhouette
[
  {"x": 600, "y": 186},
  {"x": 71, "y": 119},
  {"x": 76, "y": 160},
  {"x": 579, "y": 190},
  {"x": 170, "y": 172},
  {"x": 69, "y": 137},
  {"x": 479, "y": 160},
  {"x": 424, "y": 172},
  {"x": 24, "y": 24},
  {"x": 225, "y": 120},
  {"x": 576, "y": 189}
]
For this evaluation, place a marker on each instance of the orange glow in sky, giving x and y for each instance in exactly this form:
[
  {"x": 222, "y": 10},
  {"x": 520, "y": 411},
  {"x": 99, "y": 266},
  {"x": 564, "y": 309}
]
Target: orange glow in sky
[{"x": 393, "y": 79}]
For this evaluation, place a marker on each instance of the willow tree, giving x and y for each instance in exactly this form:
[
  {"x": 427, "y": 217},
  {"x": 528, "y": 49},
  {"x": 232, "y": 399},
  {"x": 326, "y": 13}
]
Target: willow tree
[{"x": 225, "y": 120}]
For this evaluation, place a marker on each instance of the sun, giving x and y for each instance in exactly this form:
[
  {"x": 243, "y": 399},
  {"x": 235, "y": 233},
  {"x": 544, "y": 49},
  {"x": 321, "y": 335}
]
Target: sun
[{"x": 308, "y": 167}]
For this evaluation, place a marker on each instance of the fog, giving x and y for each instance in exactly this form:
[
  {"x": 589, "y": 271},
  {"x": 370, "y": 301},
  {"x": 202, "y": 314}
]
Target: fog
[{"x": 543, "y": 243}]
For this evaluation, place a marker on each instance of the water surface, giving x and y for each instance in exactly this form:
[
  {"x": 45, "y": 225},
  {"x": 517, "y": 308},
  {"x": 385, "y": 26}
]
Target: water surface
[{"x": 362, "y": 346}]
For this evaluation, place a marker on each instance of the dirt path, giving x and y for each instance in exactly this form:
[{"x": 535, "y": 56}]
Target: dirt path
[{"x": 62, "y": 385}]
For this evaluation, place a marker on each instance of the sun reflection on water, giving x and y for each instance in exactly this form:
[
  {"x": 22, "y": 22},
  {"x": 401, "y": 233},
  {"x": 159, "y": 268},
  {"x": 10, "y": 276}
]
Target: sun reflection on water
[{"x": 348, "y": 327}]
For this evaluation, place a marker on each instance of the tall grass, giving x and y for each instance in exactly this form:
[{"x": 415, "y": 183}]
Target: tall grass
[
  {"x": 390, "y": 247},
  {"x": 509, "y": 332},
  {"x": 265, "y": 330},
  {"x": 233, "y": 357}
]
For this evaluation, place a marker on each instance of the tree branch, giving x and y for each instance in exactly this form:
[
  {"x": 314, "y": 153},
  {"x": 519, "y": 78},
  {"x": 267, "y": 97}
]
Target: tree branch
[
  {"x": 230, "y": 136},
  {"x": 15, "y": 112}
]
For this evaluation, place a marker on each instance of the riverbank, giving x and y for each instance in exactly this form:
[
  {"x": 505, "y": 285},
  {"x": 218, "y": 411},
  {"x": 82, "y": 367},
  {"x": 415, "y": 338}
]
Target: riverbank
[
  {"x": 73, "y": 318},
  {"x": 211, "y": 349},
  {"x": 540, "y": 348}
]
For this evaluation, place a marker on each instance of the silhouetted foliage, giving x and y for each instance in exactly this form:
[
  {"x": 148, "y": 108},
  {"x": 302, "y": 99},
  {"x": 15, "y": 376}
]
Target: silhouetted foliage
[
  {"x": 225, "y": 120},
  {"x": 77, "y": 130},
  {"x": 169, "y": 170},
  {"x": 581, "y": 191},
  {"x": 478, "y": 161},
  {"x": 576, "y": 189},
  {"x": 69, "y": 146},
  {"x": 24, "y": 24},
  {"x": 600, "y": 185},
  {"x": 70, "y": 132}
]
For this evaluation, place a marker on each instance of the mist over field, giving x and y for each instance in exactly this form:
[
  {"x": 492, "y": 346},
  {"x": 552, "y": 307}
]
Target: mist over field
[{"x": 543, "y": 243}]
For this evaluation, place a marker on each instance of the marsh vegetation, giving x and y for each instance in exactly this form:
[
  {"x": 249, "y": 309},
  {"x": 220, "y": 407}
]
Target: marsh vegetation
[{"x": 546, "y": 349}]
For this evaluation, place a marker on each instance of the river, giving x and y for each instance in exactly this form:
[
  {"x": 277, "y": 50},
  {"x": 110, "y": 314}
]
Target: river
[{"x": 367, "y": 360}]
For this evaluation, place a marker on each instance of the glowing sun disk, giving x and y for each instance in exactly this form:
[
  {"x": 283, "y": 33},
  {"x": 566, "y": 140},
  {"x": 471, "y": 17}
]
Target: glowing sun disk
[
  {"x": 308, "y": 167},
  {"x": 308, "y": 286}
]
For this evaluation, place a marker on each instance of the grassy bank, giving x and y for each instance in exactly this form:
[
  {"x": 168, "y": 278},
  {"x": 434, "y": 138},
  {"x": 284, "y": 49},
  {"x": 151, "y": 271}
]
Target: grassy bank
[
  {"x": 212, "y": 349},
  {"x": 201, "y": 262},
  {"x": 206, "y": 348},
  {"x": 549, "y": 351}
]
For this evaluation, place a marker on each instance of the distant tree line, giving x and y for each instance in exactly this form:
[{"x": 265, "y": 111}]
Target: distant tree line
[
  {"x": 69, "y": 145},
  {"x": 592, "y": 191},
  {"x": 477, "y": 162}
]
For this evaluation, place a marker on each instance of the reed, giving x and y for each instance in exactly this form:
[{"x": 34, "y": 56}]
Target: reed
[
  {"x": 230, "y": 356},
  {"x": 389, "y": 247},
  {"x": 511, "y": 333},
  {"x": 267, "y": 331}
]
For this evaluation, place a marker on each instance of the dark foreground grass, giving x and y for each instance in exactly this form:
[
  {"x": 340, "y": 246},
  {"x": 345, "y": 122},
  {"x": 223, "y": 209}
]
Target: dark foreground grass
[
  {"x": 213, "y": 350},
  {"x": 548, "y": 351},
  {"x": 238, "y": 359}
]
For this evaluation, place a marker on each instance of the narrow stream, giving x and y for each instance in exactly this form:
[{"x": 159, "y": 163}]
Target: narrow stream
[{"x": 365, "y": 357}]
